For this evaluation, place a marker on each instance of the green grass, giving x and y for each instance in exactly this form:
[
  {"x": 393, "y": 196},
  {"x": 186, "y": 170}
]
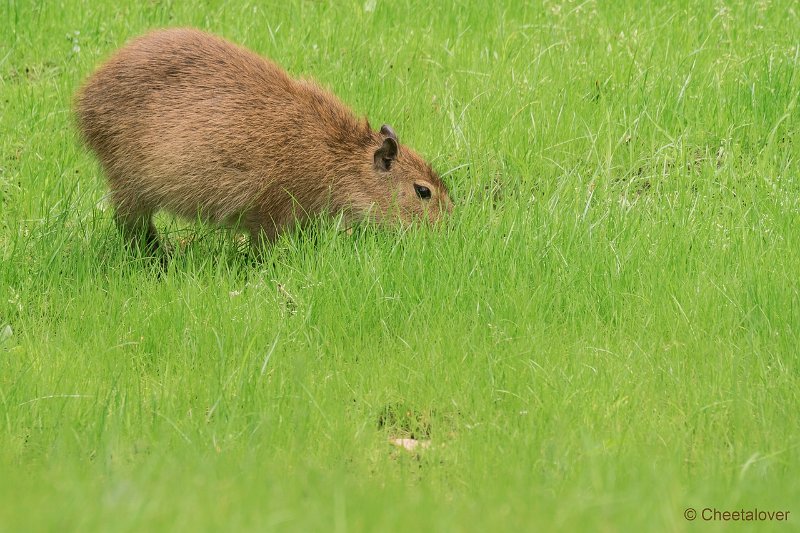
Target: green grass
[{"x": 605, "y": 333}]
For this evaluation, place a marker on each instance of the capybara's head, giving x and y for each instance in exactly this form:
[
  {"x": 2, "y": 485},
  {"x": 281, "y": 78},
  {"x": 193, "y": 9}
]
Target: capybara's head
[{"x": 416, "y": 191}]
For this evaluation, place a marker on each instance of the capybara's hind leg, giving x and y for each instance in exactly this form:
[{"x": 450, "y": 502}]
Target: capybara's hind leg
[
  {"x": 138, "y": 230},
  {"x": 135, "y": 222}
]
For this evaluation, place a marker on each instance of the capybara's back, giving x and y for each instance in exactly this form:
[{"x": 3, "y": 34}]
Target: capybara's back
[{"x": 191, "y": 123}]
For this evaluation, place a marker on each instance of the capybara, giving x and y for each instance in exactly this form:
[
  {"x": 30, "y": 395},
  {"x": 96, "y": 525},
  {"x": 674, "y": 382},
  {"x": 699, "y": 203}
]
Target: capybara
[{"x": 188, "y": 122}]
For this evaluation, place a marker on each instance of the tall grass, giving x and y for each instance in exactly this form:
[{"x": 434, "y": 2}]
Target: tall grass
[{"x": 604, "y": 334}]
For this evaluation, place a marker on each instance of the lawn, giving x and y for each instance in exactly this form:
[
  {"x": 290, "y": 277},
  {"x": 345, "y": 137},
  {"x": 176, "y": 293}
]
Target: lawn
[{"x": 603, "y": 335}]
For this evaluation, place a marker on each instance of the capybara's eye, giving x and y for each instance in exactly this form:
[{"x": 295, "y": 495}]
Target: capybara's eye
[{"x": 422, "y": 191}]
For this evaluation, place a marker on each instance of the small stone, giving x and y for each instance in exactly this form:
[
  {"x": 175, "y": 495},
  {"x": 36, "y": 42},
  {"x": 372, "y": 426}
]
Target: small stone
[{"x": 410, "y": 444}]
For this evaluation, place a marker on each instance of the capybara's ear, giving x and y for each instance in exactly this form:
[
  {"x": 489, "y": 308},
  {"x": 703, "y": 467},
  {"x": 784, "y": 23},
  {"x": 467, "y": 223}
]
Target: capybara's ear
[
  {"x": 386, "y": 154},
  {"x": 387, "y": 131}
]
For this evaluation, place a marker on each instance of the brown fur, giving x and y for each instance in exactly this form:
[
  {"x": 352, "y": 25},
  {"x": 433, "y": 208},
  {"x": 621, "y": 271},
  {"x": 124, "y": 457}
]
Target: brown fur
[{"x": 191, "y": 123}]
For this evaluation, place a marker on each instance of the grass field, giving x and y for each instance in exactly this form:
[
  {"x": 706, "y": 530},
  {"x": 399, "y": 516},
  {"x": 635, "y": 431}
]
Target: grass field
[{"x": 604, "y": 334}]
